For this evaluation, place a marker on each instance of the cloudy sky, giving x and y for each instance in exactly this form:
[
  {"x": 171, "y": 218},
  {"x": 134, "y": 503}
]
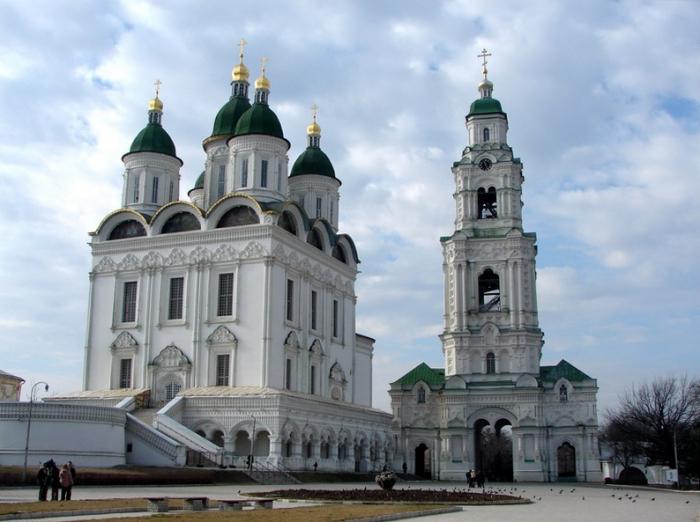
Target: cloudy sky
[{"x": 603, "y": 101}]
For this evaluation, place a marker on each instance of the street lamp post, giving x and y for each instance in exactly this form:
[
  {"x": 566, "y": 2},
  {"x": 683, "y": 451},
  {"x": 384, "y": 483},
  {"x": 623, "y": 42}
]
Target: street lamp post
[{"x": 29, "y": 426}]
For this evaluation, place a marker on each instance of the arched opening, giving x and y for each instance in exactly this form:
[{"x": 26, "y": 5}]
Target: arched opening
[
  {"x": 288, "y": 447},
  {"x": 201, "y": 433},
  {"x": 180, "y": 222},
  {"x": 494, "y": 450},
  {"x": 307, "y": 449},
  {"x": 339, "y": 254},
  {"x": 287, "y": 222},
  {"x": 127, "y": 229},
  {"x": 171, "y": 390},
  {"x": 238, "y": 216},
  {"x": 563, "y": 393},
  {"x": 420, "y": 395},
  {"x": 314, "y": 239},
  {"x": 325, "y": 450},
  {"x": 422, "y": 456},
  {"x": 486, "y": 204},
  {"x": 241, "y": 444},
  {"x": 486, "y": 134},
  {"x": 262, "y": 444},
  {"x": 218, "y": 438},
  {"x": 490, "y": 363},
  {"x": 342, "y": 451},
  {"x": 489, "y": 291},
  {"x": 566, "y": 461},
  {"x": 359, "y": 454}
]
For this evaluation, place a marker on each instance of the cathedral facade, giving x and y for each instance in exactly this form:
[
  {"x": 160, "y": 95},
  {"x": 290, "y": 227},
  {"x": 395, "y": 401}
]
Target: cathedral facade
[
  {"x": 493, "y": 407},
  {"x": 230, "y": 317}
]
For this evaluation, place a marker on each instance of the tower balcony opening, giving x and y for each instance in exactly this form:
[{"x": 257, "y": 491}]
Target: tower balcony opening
[
  {"x": 489, "y": 291},
  {"x": 486, "y": 203}
]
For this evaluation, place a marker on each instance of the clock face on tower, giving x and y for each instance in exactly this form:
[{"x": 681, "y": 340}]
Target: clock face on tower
[{"x": 485, "y": 164}]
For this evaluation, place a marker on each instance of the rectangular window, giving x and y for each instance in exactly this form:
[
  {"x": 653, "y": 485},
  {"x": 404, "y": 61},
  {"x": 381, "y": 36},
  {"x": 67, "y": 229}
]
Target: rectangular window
[
  {"x": 223, "y": 362},
  {"x": 314, "y": 309},
  {"x": 335, "y": 318},
  {"x": 312, "y": 380},
  {"x": 263, "y": 173},
  {"x": 288, "y": 374},
  {"x": 177, "y": 287},
  {"x": 225, "y": 302},
  {"x": 172, "y": 191},
  {"x": 137, "y": 187},
  {"x": 154, "y": 192},
  {"x": 332, "y": 211},
  {"x": 129, "y": 302},
  {"x": 290, "y": 300},
  {"x": 221, "y": 181},
  {"x": 244, "y": 173},
  {"x": 125, "y": 373},
  {"x": 319, "y": 204},
  {"x": 279, "y": 177}
]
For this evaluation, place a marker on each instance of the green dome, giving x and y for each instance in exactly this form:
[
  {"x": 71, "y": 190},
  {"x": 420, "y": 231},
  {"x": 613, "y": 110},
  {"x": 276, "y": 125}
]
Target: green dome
[
  {"x": 313, "y": 161},
  {"x": 259, "y": 119},
  {"x": 153, "y": 138},
  {"x": 200, "y": 181},
  {"x": 228, "y": 116},
  {"x": 485, "y": 106}
]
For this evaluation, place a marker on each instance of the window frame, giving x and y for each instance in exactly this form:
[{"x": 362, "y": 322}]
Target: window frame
[
  {"x": 244, "y": 172},
  {"x": 221, "y": 182},
  {"x": 213, "y": 311},
  {"x": 154, "y": 189},
  {"x": 178, "y": 301},
  {"x": 125, "y": 376},
  {"x": 264, "y": 164},
  {"x": 222, "y": 378},
  {"x": 119, "y": 296},
  {"x": 224, "y": 296}
]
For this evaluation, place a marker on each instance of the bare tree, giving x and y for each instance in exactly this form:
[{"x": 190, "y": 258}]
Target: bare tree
[{"x": 655, "y": 419}]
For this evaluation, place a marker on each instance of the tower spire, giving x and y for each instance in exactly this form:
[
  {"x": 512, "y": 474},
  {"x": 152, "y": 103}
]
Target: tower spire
[
  {"x": 155, "y": 106},
  {"x": 262, "y": 84},
  {"x": 485, "y": 86},
  {"x": 240, "y": 74},
  {"x": 313, "y": 131}
]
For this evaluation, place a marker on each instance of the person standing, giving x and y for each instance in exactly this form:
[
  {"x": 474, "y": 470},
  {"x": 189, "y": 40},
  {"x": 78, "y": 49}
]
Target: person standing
[
  {"x": 480, "y": 479},
  {"x": 66, "y": 479},
  {"x": 42, "y": 479},
  {"x": 73, "y": 472},
  {"x": 54, "y": 480}
]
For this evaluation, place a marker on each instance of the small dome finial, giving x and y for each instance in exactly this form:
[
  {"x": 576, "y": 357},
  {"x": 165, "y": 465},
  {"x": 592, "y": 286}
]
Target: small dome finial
[
  {"x": 485, "y": 86},
  {"x": 156, "y": 104},
  {"x": 240, "y": 72},
  {"x": 262, "y": 82},
  {"x": 314, "y": 129}
]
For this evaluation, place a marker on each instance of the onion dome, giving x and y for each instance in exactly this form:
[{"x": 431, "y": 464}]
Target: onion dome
[
  {"x": 486, "y": 104},
  {"x": 259, "y": 118},
  {"x": 228, "y": 116},
  {"x": 313, "y": 160},
  {"x": 153, "y": 137},
  {"x": 200, "y": 181}
]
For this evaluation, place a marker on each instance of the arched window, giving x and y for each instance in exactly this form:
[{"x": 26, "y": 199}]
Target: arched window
[
  {"x": 486, "y": 204},
  {"x": 325, "y": 450},
  {"x": 314, "y": 239},
  {"x": 171, "y": 390},
  {"x": 489, "y": 291},
  {"x": 286, "y": 221},
  {"x": 486, "y": 134},
  {"x": 308, "y": 449},
  {"x": 127, "y": 229},
  {"x": 563, "y": 393},
  {"x": 420, "y": 395},
  {"x": 180, "y": 222},
  {"x": 490, "y": 363},
  {"x": 238, "y": 216},
  {"x": 339, "y": 254}
]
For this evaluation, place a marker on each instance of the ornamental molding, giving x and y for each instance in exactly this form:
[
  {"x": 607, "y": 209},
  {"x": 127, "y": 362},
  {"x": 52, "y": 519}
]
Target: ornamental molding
[
  {"x": 224, "y": 253},
  {"x": 172, "y": 357},
  {"x": 222, "y": 335},
  {"x": 129, "y": 262},
  {"x": 313, "y": 270},
  {"x": 176, "y": 258},
  {"x": 106, "y": 264},
  {"x": 124, "y": 341},
  {"x": 150, "y": 160},
  {"x": 152, "y": 260}
]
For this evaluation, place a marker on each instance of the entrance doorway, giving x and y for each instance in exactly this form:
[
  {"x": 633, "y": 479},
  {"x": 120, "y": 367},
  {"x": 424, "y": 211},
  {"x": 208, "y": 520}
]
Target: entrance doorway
[
  {"x": 423, "y": 461},
  {"x": 493, "y": 449},
  {"x": 566, "y": 461}
]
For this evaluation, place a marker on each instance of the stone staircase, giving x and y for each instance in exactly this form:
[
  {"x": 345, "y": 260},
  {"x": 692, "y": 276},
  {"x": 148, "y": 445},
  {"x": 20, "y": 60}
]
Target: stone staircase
[
  {"x": 264, "y": 473},
  {"x": 145, "y": 415}
]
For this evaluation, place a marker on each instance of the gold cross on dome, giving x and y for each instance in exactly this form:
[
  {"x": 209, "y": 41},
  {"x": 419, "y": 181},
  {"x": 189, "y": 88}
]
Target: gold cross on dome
[
  {"x": 157, "y": 83},
  {"x": 241, "y": 45},
  {"x": 263, "y": 63},
  {"x": 483, "y": 55},
  {"x": 314, "y": 111}
]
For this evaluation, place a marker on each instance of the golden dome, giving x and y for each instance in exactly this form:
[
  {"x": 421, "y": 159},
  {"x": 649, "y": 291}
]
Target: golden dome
[
  {"x": 155, "y": 104},
  {"x": 314, "y": 129},
  {"x": 240, "y": 73},
  {"x": 262, "y": 82}
]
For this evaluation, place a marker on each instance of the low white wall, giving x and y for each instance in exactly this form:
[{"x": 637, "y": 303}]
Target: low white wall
[{"x": 87, "y": 435}]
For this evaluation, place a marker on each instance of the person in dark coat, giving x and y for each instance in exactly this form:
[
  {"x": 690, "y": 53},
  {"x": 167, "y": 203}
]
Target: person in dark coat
[
  {"x": 54, "y": 480},
  {"x": 73, "y": 473},
  {"x": 42, "y": 479},
  {"x": 480, "y": 479}
]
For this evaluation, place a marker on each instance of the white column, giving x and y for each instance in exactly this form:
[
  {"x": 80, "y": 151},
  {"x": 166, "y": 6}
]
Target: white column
[
  {"x": 266, "y": 333},
  {"x": 88, "y": 333}
]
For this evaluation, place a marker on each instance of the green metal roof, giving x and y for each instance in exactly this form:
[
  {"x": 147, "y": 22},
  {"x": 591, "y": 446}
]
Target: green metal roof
[
  {"x": 564, "y": 369},
  {"x": 153, "y": 138},
  {"x": 200, "y": 181},
  {"x": 485, "y": 106},
  {"x": 259, "y": 119},
  {"x": 423, "y": 372},
  {"x": 313, "y": 161},
  {"x": 228, "y": 116}
]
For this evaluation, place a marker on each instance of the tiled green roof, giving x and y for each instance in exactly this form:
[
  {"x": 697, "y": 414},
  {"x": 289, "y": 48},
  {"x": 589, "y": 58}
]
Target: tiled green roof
[
  {"x": 153, "y": 138},
  {"x": 200, "y": 181},
  {"x": 563, "y": 369},
  {"x": 259, "y": 119},
  {"x": 228, "y": 116},
  {"x": 313, "y": 161},
  {"x": 423, "y": 372},
  {"x": 485, "y": 106}
]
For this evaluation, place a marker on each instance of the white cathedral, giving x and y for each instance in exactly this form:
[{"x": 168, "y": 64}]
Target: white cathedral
[{"x": 225, "y": 325}]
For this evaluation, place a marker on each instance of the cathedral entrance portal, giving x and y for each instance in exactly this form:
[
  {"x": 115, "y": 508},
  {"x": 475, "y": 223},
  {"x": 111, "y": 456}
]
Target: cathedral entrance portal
[
  {"x": 493, "y": 449},
  {"x": 566, "y": 461},
  {"x": 423, "y": 461}
]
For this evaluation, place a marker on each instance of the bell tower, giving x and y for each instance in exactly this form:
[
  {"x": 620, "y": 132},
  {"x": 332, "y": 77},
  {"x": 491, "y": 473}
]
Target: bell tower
[{"x": 491, "y": 331}]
